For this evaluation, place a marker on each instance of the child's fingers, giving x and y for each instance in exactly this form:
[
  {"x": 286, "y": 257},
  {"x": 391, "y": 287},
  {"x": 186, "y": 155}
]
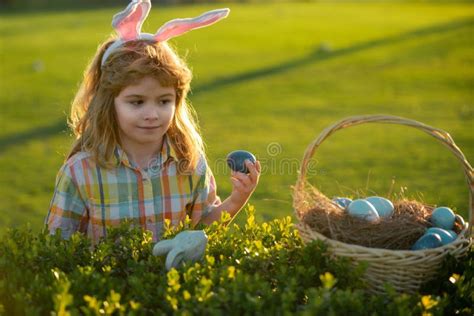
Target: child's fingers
[
  {"x": 254, "y": 173},
  {"x": 244, "y": 178},
  {"x": 245, "y": 185},
  {"x": 237, "y": 184}
]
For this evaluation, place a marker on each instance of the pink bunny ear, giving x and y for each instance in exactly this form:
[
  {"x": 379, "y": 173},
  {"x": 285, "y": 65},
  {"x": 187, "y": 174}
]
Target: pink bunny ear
[
  {"x": 128, "y": 23},
  {"x": 177, "y": 27}
]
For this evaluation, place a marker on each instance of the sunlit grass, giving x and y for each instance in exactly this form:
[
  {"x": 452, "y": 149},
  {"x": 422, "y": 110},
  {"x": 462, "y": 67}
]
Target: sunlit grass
[{"x": 273, "y": 73}]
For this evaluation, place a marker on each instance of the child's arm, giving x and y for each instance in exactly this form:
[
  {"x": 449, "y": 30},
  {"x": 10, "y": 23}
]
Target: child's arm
[{"x": 243, "y": 186}]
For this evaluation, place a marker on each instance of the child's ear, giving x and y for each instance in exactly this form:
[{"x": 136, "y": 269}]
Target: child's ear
[
  {"x": 177, "y": 27},
  {"x": 128, "y": 23}
]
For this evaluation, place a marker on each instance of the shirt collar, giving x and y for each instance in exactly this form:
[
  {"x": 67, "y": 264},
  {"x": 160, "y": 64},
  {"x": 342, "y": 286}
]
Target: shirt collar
[{"x": 167, "y": 152}]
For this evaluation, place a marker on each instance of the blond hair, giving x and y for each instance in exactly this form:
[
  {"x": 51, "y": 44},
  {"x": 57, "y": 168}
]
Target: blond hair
[{"x": 93, "y": 119}]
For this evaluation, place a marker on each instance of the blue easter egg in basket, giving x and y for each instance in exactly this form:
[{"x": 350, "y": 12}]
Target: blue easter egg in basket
[
  {"x": 427, "y": 241},
  {"x": 383, "y": 206},
  {"x": 342, "y": 201},
  {"x": 363, "y": 209},
  {"x": 447, "y": 236},
  {"x": 443, "y": 217}
]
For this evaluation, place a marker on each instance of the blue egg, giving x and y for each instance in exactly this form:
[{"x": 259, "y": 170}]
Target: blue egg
[
  {"x": 443, "y": 217},
  {"x": 383, "y": 206},
  {"x": 342, "y": 201},
  {"x": 363, "y": 209},
  {"x": 236, "y": 160},
  {"x": 427, "y": 241},
  {"x": 447, "y": 236},
  {"x": 452, "y": 233}
]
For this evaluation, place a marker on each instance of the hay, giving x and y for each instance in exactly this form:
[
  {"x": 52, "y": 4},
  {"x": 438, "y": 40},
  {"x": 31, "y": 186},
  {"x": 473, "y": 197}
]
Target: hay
[{"x": 400, "y": 231}]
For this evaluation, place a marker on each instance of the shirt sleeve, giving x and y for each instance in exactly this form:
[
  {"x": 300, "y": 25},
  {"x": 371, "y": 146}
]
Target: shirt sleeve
[
  {"x": 67, "y": 210},
  {"x": 205, "y": 194}
]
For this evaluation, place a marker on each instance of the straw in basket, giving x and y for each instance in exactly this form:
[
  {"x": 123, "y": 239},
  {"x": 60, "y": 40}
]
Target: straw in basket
[{"x": 405, "y": 270}]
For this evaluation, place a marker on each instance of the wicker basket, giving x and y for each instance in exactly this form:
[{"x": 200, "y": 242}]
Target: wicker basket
[{"x": 405, "y": 270}]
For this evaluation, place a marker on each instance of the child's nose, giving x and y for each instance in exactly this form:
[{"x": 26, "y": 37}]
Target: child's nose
[{"x": 151, "y": 113}]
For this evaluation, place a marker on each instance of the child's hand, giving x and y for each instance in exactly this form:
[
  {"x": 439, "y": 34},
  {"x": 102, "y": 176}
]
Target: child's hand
[{"x": 243, "y": 184}]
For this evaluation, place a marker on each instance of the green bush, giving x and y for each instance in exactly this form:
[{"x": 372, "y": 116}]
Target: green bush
[{"x": 255, "y": 269}]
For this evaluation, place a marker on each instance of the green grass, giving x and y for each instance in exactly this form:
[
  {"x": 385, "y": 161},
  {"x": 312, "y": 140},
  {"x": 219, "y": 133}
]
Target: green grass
[{"x": 261, "y": 78}]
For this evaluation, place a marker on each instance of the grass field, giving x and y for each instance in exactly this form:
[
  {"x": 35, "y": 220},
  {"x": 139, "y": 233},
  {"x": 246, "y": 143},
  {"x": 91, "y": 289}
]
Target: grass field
[{"x": 268, "y": 79}]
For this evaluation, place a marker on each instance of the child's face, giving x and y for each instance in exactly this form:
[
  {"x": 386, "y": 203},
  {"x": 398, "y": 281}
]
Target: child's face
[{"x": 144, "y": 111}]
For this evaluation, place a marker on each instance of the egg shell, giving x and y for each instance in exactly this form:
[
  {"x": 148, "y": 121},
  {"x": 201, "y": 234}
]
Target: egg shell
[
  {"x": 362, "y": 209},
  {"x": 452, "y": 233},
  {"x": 342, "y": 201},
  {"x": 447, "y": 236},
  {"x": 427, "y": 241},
  {"x": 443, "y": 217},
  {"x": 236, "y": 160},
  {"x": 383, "y": 206}
]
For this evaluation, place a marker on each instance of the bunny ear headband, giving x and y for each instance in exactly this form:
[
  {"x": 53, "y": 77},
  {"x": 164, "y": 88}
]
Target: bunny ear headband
[{"x": 128, "y": 25}]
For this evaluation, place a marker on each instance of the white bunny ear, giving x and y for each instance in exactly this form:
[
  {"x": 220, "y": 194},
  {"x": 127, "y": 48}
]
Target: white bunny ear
[
  {"x": 128, "y": 23},
  {"x": 163, "y": 247},
  {"x": 177, "y": 27},
  {"x": 174, "y": 258}
]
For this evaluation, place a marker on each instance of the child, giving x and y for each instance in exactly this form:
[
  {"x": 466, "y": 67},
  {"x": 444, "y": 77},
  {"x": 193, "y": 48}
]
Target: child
[{"x": 138, "y": 153}]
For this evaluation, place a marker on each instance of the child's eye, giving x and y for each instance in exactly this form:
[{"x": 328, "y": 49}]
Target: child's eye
[
  {"x": 165, "y": 101},
  {"x": 136, "y": 102}
]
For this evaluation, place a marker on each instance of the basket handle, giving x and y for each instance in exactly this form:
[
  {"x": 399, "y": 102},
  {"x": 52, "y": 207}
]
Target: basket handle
[{"x": 439, "y": 134}]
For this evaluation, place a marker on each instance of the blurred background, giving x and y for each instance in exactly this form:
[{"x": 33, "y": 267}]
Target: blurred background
[{"x": 268, "y": 79}]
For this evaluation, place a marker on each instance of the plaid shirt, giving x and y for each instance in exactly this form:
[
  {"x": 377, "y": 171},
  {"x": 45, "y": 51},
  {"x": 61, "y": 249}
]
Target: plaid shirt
[{"x": 88, "y": 198}]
